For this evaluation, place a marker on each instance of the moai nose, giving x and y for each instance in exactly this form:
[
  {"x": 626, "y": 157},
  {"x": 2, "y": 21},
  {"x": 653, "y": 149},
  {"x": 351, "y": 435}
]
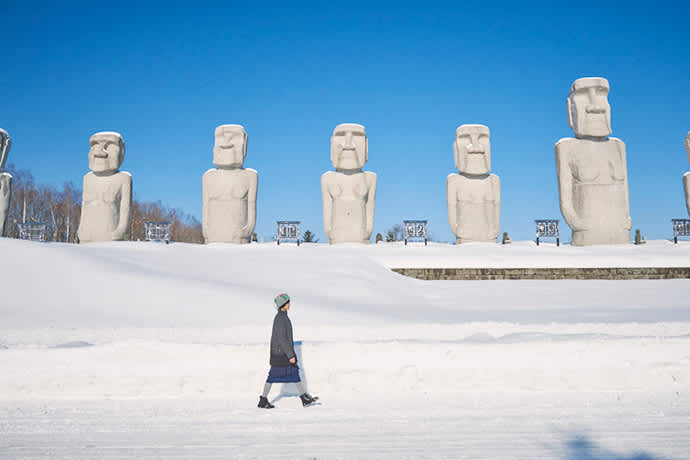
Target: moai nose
[
  {"x": 594, "y": 105},
  {"x": 348, "y": 139},
  {"x": 474, "y": 145}
]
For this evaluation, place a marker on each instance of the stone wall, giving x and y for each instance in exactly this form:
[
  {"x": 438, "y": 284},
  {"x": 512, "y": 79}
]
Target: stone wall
[{"x": 592, "y": 273}]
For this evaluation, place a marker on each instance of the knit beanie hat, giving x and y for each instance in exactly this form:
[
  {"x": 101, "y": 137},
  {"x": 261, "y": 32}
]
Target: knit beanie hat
[{"x": 281, "y": 300}]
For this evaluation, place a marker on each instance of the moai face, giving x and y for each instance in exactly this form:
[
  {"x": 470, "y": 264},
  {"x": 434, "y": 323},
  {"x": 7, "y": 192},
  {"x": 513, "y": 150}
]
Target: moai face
[
  {"x": 472, "y": 149},
  {"x": 230, "y": 147},
  {"x": 107, "y": 152},
  {"x": 349, "y": 147},
  {"x": 589, "y": 112},
  {"x": 687, "y": 145},
  {"x": 5, "y": 144}
]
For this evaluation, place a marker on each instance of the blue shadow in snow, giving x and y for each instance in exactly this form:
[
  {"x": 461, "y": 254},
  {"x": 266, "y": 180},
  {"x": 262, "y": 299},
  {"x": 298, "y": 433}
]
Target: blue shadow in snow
[
  {"x": 581, "y": 448},
  {"x": 76, "y": 344}
]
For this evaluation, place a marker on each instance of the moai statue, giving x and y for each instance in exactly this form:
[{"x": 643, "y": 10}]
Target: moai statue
[
  {"x": 349, "y": 194},
  {"x": 5, "y": 180},
  {"x": 592, "y": 169},
  {"x": 229, "y": 190},
  {"x": 474, "y": 195},
  {"x": 686, "y": 176},
  {"x": 106, "y": 205}
]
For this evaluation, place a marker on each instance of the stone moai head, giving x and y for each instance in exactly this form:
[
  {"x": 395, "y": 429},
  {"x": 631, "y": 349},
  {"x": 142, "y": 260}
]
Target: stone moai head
[
  {"x": 589, "y": 112},
  {"x": 349, "y": 146},
  {"x": 5, "y": 144},
  {"x": 230, "y": 146},
  {"x": 472, "y": 149},
  {"x": 687, "y": 145},
  {"x": 107, "y": 152}
]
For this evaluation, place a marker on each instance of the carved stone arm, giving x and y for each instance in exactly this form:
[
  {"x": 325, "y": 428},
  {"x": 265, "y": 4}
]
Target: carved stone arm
[
  {"x": 371, "y": 203},
  {"x": 327, "y": 207},
  {"x": 125, "y": 207},
  {"x": 251, "y": 205},
  {"x": 451, "y": 197},
  {"x": 496, "y": 215},
  {"x": 565, "y": 188}
]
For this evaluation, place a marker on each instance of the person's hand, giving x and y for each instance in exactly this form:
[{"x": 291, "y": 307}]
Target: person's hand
[{"x": 293, "y": 360}]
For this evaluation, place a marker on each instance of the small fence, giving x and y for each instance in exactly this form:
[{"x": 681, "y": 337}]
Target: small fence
[
  {"x": 288, "y": 230},
  {"x": 415, "y": 230},
  {"x": 157, "y": 231},
  {"x": 681, "y": 227},
  {"x": 32, "y": 231},
  {"x": 548, "y": 228}
]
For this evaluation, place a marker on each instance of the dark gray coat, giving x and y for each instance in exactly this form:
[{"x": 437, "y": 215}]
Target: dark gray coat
[{"x": 282, "y": 348}]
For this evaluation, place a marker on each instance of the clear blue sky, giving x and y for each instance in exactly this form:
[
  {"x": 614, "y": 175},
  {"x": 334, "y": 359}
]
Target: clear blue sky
[{"x": 166, "y": 75}]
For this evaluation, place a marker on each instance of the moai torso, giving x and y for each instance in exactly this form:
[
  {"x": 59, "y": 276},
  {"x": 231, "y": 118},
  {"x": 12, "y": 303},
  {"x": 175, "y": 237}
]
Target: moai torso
[
  {"x": 229, "y": 192},
  {"x": 106, "y": 208},
  {"x": 5, "y": 181},
  {"x": 348, "y": 193},
  {"x": 686, "y": 176},
  {"x": 599, "y": 190},
  {"x": 477, "y": 207},
  {"x": 592, "y": 171},
  {"x": 228, "y": 197},
  {"x": 474, "y": 195},
  {"x": 351, "y": 216}
]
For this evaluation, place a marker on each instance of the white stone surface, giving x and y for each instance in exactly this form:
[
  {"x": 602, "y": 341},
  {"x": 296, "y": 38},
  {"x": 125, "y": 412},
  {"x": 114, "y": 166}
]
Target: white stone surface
[
  {"x": 107, "y": 194},
  {"x": 349, "y": 194},
  {"x": 474, "y": 195},
  {"x": 5, "y": 180},
  {"x": 686, "y": 176},
  {"x": 229, "y": 191},
  {"x": 592, "y": 169}
]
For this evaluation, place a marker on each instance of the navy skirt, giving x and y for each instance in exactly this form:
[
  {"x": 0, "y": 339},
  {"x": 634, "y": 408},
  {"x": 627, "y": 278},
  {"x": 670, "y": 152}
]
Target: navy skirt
[{"x": 283, "y": 374}]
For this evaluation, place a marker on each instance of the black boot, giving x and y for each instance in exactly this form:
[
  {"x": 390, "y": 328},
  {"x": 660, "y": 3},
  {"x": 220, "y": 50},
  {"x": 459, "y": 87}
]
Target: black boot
[
  {"x": 307, "y": 399},
  {"x": 264, "y": 404}
]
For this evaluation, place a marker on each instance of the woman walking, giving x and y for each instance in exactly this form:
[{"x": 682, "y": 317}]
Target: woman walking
[{"x": 284, "y": 368}]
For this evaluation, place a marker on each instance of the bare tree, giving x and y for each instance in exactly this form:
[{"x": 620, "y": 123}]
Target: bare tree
[{"x": 60, "y": 210}]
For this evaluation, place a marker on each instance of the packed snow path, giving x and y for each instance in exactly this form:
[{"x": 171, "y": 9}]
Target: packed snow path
[
  {"x": 482, "y": 429},
  {"x": 134, "y": 350}
]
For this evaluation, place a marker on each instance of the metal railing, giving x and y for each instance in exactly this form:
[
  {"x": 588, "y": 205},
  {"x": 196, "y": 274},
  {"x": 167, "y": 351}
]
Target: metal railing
[
  {"x": 548, "y": 228},
  {"x": 681, "y": 227},
  {"x": 416, "y": 230},
  {"x": 32, "y": 231},
  {"x": 288, "y": 230},
  {"x": 157, "y": 231}
]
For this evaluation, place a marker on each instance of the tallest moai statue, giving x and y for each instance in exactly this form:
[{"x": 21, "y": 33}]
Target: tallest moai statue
[
  {"x": 592, "y": 169},
  {"x": 5, "y": 180}
]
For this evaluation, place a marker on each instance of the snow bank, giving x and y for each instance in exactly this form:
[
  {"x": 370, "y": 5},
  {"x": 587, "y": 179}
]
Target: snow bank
[{"x": 181, "y": 286}]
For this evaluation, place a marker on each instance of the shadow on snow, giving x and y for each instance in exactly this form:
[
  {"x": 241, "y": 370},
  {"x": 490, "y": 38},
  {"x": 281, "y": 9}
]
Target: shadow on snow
[{"x": 580, "y": 448}]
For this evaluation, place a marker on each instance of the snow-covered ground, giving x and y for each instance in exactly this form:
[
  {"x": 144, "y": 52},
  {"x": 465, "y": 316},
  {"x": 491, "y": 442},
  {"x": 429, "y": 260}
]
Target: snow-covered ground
[{"x": 142, "y": 350}]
